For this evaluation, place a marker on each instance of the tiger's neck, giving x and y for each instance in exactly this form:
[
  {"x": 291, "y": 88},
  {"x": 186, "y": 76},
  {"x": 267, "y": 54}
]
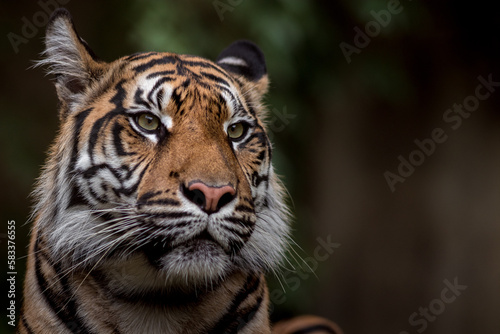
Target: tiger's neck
[{"x": 107, "y": 302}]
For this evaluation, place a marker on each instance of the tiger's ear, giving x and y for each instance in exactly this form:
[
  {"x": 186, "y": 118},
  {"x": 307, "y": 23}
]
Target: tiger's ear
[
  {"x": 244, "y": 59},
  {"x": 70, "y": 60}
]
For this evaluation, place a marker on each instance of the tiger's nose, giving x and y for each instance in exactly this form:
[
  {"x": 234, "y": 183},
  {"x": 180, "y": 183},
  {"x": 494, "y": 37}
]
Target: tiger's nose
[{"x": 210, "y": 198}]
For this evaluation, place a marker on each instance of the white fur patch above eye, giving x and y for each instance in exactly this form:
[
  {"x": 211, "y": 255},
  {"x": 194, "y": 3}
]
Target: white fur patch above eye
[
  {"x": 233, "y": 61},
  {"x": 167, "y": 121}
]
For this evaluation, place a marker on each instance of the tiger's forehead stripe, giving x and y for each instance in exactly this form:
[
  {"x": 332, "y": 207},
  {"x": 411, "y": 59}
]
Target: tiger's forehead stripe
[
  {"x": 233, "y": 104},
  {"x": 161, "y": 74},
  {"x": 153, "y": 91},
  {"x": 183, "y": 63},
  {"x": 153, "y": 62},
  {"x": 154, "y": 94}
]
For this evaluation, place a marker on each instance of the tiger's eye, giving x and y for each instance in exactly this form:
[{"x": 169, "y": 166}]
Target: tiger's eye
[
  {"x": 236, "y": 130},
  {"x": 148, "y": 122}
]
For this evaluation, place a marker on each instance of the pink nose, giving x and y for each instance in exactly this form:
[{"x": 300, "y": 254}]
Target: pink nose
[{"x": 211, "y": 199}]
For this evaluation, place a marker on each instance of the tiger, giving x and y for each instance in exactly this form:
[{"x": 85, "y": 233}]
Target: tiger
[{"x": 158, "y": 209}]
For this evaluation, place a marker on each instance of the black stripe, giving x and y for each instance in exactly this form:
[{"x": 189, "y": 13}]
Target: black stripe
[
  {"x": 159, "y": 98},
  {"x": 155, "y": 87},
  {"x": 240, "y": 222},
  {"x": 219, "y": 105},
  {"x": 251, "y": 110},
  {"x": 215, "y": 78},
  {"x": 92, "y": 171},
  {"x": 185, "y": 84},
  {"x": 162, "y": 201},
  {"x": 76, "y": 198},
  {"x": 148, "y": 195},
  {"x": 198, "y": 63},
  {"x": 173, "y": 215},
  {"x": 133, "y": 188},
  {"x": 229, "y": 322},
  {"x": 176, "y": 99},
  {"x": 117, "y": 141},
  {"x": 139, "y": 100},
  {"x": 244, "y": 208},
  {"x": 94, "y": 195},
  {"x": 208, "y": 64},
  {"x": 63, "y": 305},
  {"x": 79, "y": 119},
  {"x": 170, "y": 227},
  {"x": 246, "y": 315},
  {"x": 258, "y": 179},
  {"x": 160, "y": 74},
  {"x": 154, "y": 62},
  {"x": 132, "y": 170},
  {"x": 225, "y": 89},
  {"x": 314, "y": 329},
  {"x": 25, "y": 324},
  {"x": 261, "y": 155},
  {"x": 229, "y": 92},
  {"x": 117, "y": 100},
  {"x": 261, "y": 139}
]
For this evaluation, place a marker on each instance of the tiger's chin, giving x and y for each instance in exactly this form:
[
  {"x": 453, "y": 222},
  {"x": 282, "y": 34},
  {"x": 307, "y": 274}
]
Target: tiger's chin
[
  {"x": 191, "y": 263},
  {"x": 194, "y": 264}
]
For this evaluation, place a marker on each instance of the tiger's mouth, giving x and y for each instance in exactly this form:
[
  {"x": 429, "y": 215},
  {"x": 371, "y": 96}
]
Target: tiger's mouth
[
  {"x": 195, "y": 262},
  {"x": 200, "y": 246}
]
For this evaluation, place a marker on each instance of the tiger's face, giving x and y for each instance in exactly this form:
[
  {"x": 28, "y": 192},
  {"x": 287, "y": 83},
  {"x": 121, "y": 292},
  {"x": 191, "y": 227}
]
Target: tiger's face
[{"x": 162, "y": 172}]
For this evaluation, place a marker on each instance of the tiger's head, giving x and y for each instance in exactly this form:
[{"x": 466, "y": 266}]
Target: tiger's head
[{"x": 161, "y": 171}]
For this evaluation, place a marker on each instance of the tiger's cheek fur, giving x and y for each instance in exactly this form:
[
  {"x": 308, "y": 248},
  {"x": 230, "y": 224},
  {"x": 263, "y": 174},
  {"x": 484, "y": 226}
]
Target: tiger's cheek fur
[
  {"x": 254, "y": 157},
  {"x": 107, "y": 157}
]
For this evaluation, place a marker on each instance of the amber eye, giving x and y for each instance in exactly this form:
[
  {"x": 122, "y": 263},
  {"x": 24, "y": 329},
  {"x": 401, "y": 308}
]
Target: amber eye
[
  {"x": 237, "y": 130},
  {"x": 148, "y": 122}
]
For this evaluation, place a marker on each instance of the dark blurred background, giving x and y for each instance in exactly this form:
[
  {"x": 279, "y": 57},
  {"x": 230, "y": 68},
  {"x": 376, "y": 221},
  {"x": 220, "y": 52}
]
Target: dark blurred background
[{"x": 395, "y": 186}]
